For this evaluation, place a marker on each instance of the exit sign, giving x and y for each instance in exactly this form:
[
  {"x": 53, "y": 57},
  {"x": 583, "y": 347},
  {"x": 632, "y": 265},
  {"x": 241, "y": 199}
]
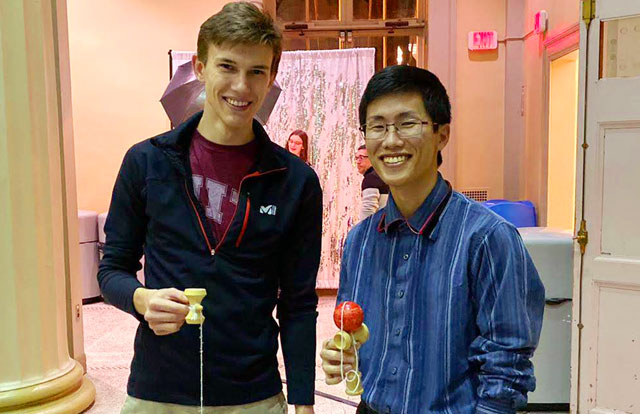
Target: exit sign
[{"x": 487, "y": 40}]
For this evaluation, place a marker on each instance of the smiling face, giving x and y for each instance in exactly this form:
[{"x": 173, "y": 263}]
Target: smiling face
[
  {"x": 237, "y": 78},
  {"x": 407, "y": 165},
  {"x": 295, "y": 145}
]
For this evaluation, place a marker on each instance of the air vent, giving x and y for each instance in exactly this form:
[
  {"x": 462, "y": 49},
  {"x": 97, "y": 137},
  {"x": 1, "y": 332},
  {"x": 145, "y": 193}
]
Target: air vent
[{"x": 477, "y": 194}]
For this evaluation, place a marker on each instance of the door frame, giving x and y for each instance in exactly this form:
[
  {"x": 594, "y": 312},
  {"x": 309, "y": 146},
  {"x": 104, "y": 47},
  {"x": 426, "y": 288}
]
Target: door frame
[{"x": 554, "y": 47}]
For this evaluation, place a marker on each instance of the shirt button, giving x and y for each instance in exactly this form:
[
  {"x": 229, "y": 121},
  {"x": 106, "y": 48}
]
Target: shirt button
[
  {"x": 400, "y": 293},
  {"x": 406, "y": 256},
  {"x": 398, "y": 331},
  {"x": 394, "y": 371}
]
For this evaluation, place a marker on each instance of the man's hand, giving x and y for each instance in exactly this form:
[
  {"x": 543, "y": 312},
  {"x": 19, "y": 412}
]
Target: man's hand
[
  {"x": 330, "y": 355},
  {"x": 304, "y": 409},
  {"x": 164, "y": 309}
]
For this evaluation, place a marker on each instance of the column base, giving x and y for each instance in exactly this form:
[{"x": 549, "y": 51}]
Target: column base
[{"x": 71, "y": 393}]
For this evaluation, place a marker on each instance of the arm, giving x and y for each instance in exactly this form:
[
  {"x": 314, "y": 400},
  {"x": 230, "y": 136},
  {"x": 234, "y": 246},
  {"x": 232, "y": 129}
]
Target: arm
[
  {"x": 298, "y": 299},
  {"x": 164, "y": 309},
  {"x": 125, "y": 231},
  {"x": 370, "y": 202},
  {"x": 509, "y": 298}
]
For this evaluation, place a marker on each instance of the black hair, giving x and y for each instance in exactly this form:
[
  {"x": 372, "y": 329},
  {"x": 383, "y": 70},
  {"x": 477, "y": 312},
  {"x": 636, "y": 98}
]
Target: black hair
[{"x": 408, "y": 79}]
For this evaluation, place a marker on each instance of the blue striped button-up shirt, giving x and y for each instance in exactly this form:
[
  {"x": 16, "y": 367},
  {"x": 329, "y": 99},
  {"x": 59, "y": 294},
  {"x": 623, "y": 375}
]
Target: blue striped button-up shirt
[{"x": 455, "y": 310}]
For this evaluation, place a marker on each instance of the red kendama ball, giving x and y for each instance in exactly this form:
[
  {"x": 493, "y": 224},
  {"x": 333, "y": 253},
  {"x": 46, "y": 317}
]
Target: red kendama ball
[{"x": 351, "y": 314}]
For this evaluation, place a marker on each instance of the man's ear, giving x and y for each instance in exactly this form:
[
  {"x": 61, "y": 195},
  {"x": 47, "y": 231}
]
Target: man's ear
[
  {"x": 198, "y": 68},
  {"x": 272, "y": 79},
  {"x": 443, "y": 135}
]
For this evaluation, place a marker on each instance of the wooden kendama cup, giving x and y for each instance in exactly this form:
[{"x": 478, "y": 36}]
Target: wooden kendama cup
[
  {"x": 195, "y": 315},
  {"x": 349, "y": 318}
]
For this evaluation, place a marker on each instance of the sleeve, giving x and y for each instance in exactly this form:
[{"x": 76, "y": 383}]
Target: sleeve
[
  {"x": 509, "y": 297},
  {"x": 370, "y": 202},
  {"x": 125, "y": 230},
  {"x": 298, "y": 300}
]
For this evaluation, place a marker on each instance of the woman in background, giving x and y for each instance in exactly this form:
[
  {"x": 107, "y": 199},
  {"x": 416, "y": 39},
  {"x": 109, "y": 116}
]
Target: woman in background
[{"x": 297, "y": 144}]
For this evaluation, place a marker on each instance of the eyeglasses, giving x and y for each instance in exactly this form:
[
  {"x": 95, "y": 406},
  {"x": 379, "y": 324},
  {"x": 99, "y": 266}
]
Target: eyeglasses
[
  {"x": 407, "y": 128},
  {"x": 361, "y": 157}
]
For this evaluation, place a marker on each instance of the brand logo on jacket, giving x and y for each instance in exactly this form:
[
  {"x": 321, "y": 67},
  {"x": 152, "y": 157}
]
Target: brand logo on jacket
[{"x": 268, "y": 210}]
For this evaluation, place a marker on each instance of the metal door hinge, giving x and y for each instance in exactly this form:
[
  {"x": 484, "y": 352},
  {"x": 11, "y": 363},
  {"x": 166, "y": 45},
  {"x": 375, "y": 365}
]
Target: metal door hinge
[
  {"x": 583, "y": 236},
  {"x": 588, "y": 11}
]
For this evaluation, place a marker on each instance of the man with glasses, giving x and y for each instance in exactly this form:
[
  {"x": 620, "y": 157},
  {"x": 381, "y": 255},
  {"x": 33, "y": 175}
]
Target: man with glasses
[
  {"x": 374, "y": 191},
  {"x": 450, "y": 295}
]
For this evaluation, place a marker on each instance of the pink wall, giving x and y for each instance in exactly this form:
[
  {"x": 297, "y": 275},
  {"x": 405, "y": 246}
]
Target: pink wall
[
  {"x": 119, "y": 69},
  {"x": 479, "y": 106}
]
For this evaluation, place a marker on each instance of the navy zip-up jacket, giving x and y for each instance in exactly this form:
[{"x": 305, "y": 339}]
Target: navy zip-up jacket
[{"x": 272, "y": 245}]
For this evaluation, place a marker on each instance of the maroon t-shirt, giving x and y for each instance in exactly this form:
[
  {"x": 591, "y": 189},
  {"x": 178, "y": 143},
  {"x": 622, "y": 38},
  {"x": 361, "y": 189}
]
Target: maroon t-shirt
[{"x": 217, "y": 172}]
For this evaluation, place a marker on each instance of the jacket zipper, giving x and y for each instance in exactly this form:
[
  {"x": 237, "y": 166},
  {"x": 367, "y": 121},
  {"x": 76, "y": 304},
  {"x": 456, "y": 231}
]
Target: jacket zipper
[
  {"x": 246, "y": 215},
  {"x": 204, "y": 233},
  {"x": 244, "y": 222}
]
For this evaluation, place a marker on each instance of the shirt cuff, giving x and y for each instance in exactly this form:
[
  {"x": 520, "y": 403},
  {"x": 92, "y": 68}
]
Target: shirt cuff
[{"x": 491, "y": 406}]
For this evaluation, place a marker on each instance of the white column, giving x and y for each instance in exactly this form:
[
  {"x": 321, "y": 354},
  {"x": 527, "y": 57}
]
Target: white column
[{"x": 37, "y": 374}]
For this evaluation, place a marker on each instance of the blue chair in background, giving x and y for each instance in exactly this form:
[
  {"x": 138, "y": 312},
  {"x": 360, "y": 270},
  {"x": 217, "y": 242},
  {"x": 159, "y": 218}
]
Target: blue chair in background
[{"x": 518, "y": 213}]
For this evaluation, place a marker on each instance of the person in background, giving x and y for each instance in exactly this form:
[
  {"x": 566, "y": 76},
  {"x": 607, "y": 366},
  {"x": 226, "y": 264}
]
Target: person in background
[
  {"x": 375, "y": 192},
  {"x": 451, "y": 297},
  {"x": 205, "y": 203},
  {"x": 297, "y": 144}
]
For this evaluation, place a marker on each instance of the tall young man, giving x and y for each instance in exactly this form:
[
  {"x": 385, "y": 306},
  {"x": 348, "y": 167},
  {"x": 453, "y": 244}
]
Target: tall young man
[
  {"x": 450, "y": 295},
  {"x": 215, "y": 204}
]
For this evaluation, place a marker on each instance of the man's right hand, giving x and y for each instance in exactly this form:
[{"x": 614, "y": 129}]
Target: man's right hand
[
  {"x": 163, "y": 309},
  {"x": 330, "y": 355}
]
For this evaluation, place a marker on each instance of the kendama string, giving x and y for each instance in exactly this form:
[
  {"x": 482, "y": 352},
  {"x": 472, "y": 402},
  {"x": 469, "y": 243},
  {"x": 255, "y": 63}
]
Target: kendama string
[
  {"x": 353, "y": 371},
  {"x": 201, "y": 373}
]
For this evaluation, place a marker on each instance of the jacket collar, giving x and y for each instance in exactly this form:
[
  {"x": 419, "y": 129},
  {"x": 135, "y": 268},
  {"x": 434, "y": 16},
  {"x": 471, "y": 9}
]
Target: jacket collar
[
  {"x": 177, "y": 141},
  {"x": 425, "y": 218}
]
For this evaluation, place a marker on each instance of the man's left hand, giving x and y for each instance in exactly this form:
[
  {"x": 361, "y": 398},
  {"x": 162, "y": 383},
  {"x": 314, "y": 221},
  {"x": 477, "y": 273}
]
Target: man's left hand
[{"x": 304, "y": 409}]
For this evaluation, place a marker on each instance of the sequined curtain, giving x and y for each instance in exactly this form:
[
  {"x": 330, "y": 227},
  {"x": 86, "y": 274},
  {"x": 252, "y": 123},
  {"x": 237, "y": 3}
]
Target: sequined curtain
[{"x": 321, "y": 91}]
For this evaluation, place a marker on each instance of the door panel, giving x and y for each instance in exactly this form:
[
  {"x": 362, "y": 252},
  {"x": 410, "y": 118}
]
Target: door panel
[
  {"x": 620, "y": 224},
  {"x": 618, "y": 345},
  {"x": 606, "y": 353}
]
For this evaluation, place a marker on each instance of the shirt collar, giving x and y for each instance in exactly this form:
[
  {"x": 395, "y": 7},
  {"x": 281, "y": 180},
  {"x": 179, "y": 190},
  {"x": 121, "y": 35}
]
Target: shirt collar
[{"x": 428, "y": 212}]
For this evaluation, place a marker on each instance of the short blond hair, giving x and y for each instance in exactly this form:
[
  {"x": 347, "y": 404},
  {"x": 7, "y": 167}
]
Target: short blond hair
[{"x": 240, "y": 23}]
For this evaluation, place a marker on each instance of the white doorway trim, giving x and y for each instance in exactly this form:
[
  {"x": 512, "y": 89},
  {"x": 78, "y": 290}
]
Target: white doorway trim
[{"x": 554, "y": 47}]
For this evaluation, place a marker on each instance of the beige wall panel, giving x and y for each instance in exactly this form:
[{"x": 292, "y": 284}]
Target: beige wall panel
[
  {"x": 479, "y": 106},
  {"x": 119, "y": 70}
]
